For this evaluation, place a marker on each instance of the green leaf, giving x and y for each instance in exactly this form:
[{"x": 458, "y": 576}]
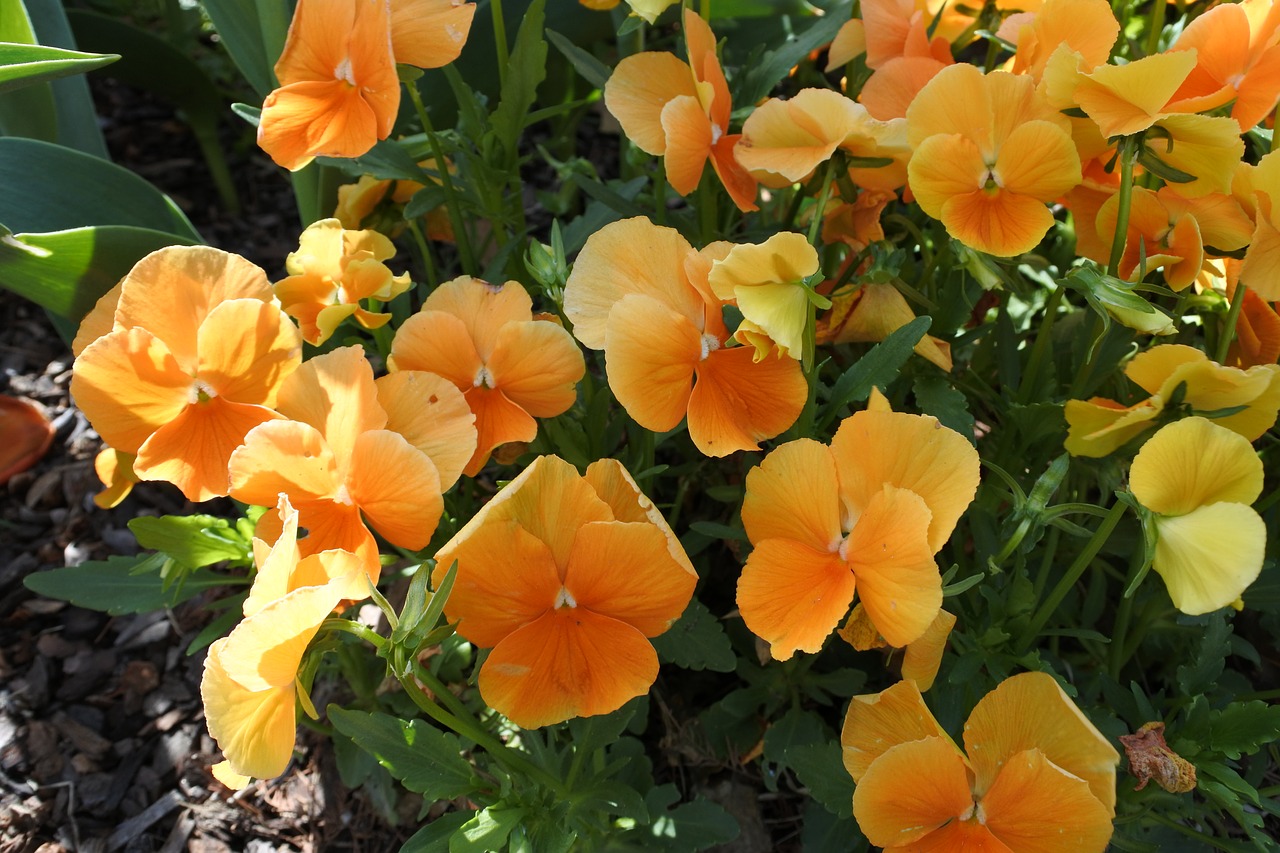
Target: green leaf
[
  {"x": 66, "y": 272},
  {"x": 591, "y": 733},
  {"x": 253, "y": 32},
  {"x": 776, "y": 64},
  {"x": 938, "y": 397},
  {"x": 193, "y": 540},
  {"x": 487, "y": 831},
  {"x": 1243, "y": 728},
  {"x": 694, "y": 826},
  {"x": 878, "y": 367},
  {"x": 25, "y": 64},
  {"x": 526, "y": 69},
  {"x": 424, "y": 759},
  {"x": 1199, "y": 676},
  {"x": 386, "y": 160},
  {"x": 719, "y": 531},
  {"x": 121, "y": 585},
  {"x": 592, "y": 70},
  {"x": 31, "y": 112},
  {"x": 820, "y": 768},
  {"x": 796, "y": 728},
  {"x": 696, "y": 641},
  {"x": 434, "y": 837}
]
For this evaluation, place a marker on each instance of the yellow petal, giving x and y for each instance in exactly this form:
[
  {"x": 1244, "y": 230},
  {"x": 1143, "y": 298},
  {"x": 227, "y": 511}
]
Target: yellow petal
[
  {"x": 1126, "y": 99},
  {"x": 1209, "y": 556},
  {"x": 923, "y": 657},
  {"x": 765, "y": 280},
  {"x": 1192, "y": 463}
]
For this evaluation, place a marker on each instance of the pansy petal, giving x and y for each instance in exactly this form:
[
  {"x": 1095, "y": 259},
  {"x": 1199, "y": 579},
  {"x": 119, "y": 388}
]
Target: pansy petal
[
  {"x": 255, "y": 729},
  {"x": 877, "y": 722},
  {"x": 999, "y": 223},
  {"x": 498, "y": 421},
  {"x": 246, "y": 349},
  {"x": 911, "y": 790},
  {"x": 1203, "y": 569},
  {"x": 283, "y": 456},
  {"x": 923, "y": 657},
  {"x": 506, "y": 578},
  {"x": 689, "y": 140},
  {"x": 570, "y": 662},
  {"x": 99, "y": 321},
  {"x": 1098, "y": 427},
  {"x": 914, "y": 452},
  {"x": 1152, "y": 368},
  {"x": 637, "y": 91},
  {"x": 538, "y": 365},
  {"x": 889, "y": 554},
  {"x": 651, "y": 353},
  {"x": 794, "y": 494},
  {"x": 1027, "y": 711},
  {"x": 334, "y": 392},
  {"x": 193, "y": 450},
  {"x": 314, "y": 118},
  {"x": 397, "y": 488},
  {"x": 433, "y": 415},
  {"x": 792, "y": 596},
  {"x": 738, "y": 402},
  {"x": 615, "y": 487},
  {"x": 437, "y": 342},
  {"x": 484, "y": 308},
  {"x": 1038, "y": 160},
  {"x": 275, "y": 562},
  {"x": 429, "y": 33},
  {"x": 1194, "y": 462},
  {"x": 961, "y": 836},
  {"x": 129, "y": 385},
  {"x": 1038, "y": 807}
]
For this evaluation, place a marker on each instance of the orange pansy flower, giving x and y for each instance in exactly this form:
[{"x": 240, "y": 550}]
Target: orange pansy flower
[
  {"x": 1035, "y": 774},
  {"x": 429, "y": 33},
  {"x": 989, "y": 154},
  {"x": 566, "y": 577},
  {"x": 1237, "y": 59},
  {"x": 1128, "y": 99},
  {"x": 249, "y": 686},
  {"x": 898, "y": 28},
  {"x": 353, "y": 449},
  {"x": 197, "y": 354},
  {"x": 332, "y": 271},
  {"x": 868, "y": 512},
  {"x": 1097, "y": 427},
  {"x": 640, "y": 292},
  {"x": 1261, "y": 269},
  {"x": 1086, "y": 27},
  {"x": 510, "y": 367},
  {"x": 681, "y": 112},
  {"x": 378, "y": 204}
]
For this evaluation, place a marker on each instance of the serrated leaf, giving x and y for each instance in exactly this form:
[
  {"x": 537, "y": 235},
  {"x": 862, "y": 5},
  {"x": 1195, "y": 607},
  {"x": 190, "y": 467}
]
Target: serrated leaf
[
  {"x": 424, "y": 759},
  {"x": 26, "y": 64},
  {"x": 193, "y": 540},
  {"x": 696, "y": 641},
  {"x": 119, "y": 585},
  {"x": 796, "y": 728},
  {"x": 1243, "y": 728},
  {"x": 526, "y": 69},
  {"x": 879, "y": 366},
  {"x": 820, "y": 768},
  {"x": 936, "y": 396},
  {"x": 486, "y": 831},
  {"x": 1199, "y": 675}
]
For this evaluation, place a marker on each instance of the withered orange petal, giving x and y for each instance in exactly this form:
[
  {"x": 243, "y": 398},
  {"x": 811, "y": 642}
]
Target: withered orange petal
[
  {"x": 794, "y": 494},
  {"x": 506, "y": 578},
  {"x": 334, "y": 392},
  {"x": 1038, "y": 807},
  {"x": 193, "y": 450},
  {"x": 283, "y": 456},
  {"x": 483, "y": 308},
  {"x": 637, "y": 91},
  {"x": 170, "y": 292},
  {"x": 737, "y": 402},
  {"x": 429, "y": 33},
  {"x": 437, "y": 342},
  {"x": 689, "y": 141},
  {"x": 397, "y": 488},
  {"x": 877, "y": 722},
  {"x": 911, "y": 790},
  {"x": 498, "y": 421},
  {"x": 651, "y": 353},
  {"x": 25, "y": 435},
  {"x": 914, "y": 452},
  {"x": 538, "y": 365},
  {"x": 1030, "y": 711},
  {"x": 128, "y": 384},
  {"x": 889, "y": 554},
  {"x": 792, "y": 596},
  {"x": 247, "y": 348},
  {"x": 625, "y": 570},
  {"x": 568, "y": 663},
  {"x": 433, "y": 415}
]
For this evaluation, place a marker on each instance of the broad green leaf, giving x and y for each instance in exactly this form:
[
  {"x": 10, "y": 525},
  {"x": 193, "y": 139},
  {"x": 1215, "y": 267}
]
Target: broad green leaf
[
  {"x": 487, "y": 831},
  {"x": 424, "y": 759},
  {"x": 694, "y": 826},
  {"x": 66, "y": 272},
  {"x": 820, "y": 768},
  {"x": 526, "y": 69},
  {"x": 878, "y": 367},
  {"x": 434, "y": 837},
  {"x": 32, "y": 111},
  {"x": 121, "y": 585},
  {"x": 760, "y": 79},
  {"x": 25, "y": 64},
  {"x": 592, "y": 70},
  {"x": 1243, "y": 728},
  {"x": 796, "y": 728},
  {"x": 591, "y": 733},
  {"x": 253, "y": 32},
  {"x": 938, "y": 397},
  {"x": 696, "y": 641},
  {"x": 52, "y": 188},
  {"x": 193, "y": 540},
  {"x": 385, "y": 160}
]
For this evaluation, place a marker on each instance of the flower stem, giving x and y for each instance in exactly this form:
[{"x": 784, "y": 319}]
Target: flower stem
[
  {"x": 500, "y": 40},
  {"x": 1228, "y": 333},
  {"x": 1128, "y": 154},
  {"x": 451, "y": 196}
]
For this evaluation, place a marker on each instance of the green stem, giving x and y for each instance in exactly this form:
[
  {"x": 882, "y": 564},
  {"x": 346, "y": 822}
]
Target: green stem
[
  {"x": 1155, "y": 28},
  {"x": 1228, "y": 333},
  {"x": 451, "y": 195},
  {"x": 500, "y": 40},
  {"x": 1073, "y": 573},
  {"x": 1041, "y": 346},
  {"x": 1128, "y": 154},
  {"x": 424, "y": 252}
]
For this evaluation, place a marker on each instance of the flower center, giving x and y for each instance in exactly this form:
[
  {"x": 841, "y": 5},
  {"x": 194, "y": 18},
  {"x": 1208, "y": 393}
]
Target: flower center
[
  {"x": 343, "y": 71},
  {"x": 484, "y": 379},
  {"x": 716, "y": 133},
  {"x": 200, "y": 392},
  {"x": 710, "y": 343},
  {"x": 342, "y": 496},
  {"x": 565, "y": 599}
]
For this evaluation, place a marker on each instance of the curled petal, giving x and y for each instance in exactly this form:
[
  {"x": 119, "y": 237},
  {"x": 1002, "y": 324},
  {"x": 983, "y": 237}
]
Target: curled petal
[{"x": 877, "y": 722}]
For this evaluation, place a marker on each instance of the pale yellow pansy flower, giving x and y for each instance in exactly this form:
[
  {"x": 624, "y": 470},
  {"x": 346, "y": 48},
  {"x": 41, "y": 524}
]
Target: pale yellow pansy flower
[{"x": 766, "y": 281}]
